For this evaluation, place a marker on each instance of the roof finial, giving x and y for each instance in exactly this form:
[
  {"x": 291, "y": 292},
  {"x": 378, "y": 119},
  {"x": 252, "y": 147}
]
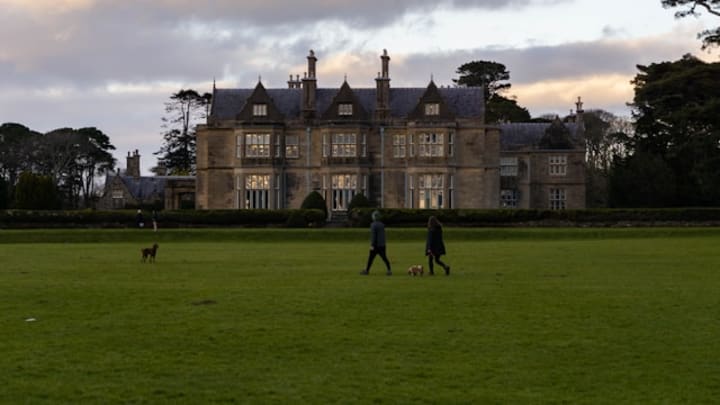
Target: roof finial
[
  {"x": 213, "y": 83},
  {"x": 345, "y": 78}
]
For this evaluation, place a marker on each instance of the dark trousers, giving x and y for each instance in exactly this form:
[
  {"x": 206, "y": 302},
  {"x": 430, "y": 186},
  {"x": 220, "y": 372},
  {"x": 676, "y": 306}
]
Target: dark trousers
[
  {"x": 437, "y": 260},
  {"x": 378, "y": 251}
]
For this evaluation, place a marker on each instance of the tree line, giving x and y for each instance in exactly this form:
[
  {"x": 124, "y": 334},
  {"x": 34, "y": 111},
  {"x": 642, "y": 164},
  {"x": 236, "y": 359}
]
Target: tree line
[{"x": 52, "y": 170}]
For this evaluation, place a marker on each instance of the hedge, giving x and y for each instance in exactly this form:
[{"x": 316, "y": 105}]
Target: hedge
[
  {"x": 360, "y": 217},
  {"x": 522, "y": 217},
  {"x": 166, "y": 219}
]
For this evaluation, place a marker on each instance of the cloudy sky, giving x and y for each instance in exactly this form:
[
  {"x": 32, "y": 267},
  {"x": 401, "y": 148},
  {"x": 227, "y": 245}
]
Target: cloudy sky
[{"x": 113, "y": 63}]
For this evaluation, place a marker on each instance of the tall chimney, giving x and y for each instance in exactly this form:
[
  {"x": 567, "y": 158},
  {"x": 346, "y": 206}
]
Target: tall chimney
[
  {"x": 382, "y": 82},
  {"x": 309, "y": 84},
  {"x": 579, "y": 119},
  {"x": 133, "y": 164}
]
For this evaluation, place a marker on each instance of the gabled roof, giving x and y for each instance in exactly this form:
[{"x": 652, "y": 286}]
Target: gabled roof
[
  {"x": 463, "y": 102},
  {"x": 431, "y": 95},
  {"x": 345, "y": 96},
  {"x": 146, "y": 188},
  {"x": 259, "y": 96}
]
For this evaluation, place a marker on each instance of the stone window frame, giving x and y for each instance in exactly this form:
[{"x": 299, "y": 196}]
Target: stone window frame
[
  {"x": 260, "y": 110},
  {"x": 557, "y": 198},
  {"x": 557, "y": 165}
]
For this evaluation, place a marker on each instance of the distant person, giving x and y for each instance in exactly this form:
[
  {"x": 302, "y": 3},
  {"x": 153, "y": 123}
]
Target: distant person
[
  {"x": 377, "y": 244},
  {"x": 139, "y": 219},
  {"x": 434, "y": 246},
  {"x": 154, "y": 220}
]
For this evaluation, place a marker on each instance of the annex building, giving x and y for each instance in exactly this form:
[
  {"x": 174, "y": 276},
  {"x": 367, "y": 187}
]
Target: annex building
[{"x": 426, "y": 148}]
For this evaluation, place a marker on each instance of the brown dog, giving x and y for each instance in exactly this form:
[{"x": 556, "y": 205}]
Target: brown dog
[
  {"x": 415, "y": 270},
  {"x": 148, "y": 254}
]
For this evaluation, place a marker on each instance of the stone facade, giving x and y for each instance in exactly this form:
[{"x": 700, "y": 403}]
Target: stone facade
[
  {"x": 402, "y": 148},
  {"x": 131, "y": 190}
]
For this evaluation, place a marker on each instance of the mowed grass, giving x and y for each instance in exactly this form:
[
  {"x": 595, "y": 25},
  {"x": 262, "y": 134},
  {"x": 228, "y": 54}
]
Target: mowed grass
[{"x": 527, "y": 316}]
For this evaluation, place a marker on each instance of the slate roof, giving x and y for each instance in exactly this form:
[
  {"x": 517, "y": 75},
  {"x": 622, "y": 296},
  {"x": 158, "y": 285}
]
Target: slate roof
[
  {"x": 148, "y": 187},
  {"x": 518, "y": 135},
  {"x": 465, "y": 102}
]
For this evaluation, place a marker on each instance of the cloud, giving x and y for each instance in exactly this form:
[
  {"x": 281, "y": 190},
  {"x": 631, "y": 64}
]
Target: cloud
[{"x": 610, "y": 92}]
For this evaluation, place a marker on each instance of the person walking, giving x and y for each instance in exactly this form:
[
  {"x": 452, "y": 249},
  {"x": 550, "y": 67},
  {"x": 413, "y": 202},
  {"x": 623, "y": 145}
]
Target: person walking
[
  {"x": 377, "y": 244},
  {"x": 154, "y": 220},
  {"x": 434, "y": 246}
]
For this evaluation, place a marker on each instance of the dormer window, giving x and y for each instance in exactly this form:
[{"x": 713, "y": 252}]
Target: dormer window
[
  {"x": 432, "y": 109},
  {"x": 260, "y": 110},
  {"x": 345, "y": 109}
]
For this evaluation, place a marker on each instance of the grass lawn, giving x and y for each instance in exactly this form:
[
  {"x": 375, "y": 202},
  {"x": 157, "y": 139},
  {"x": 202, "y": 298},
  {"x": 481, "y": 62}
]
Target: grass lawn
[{"x": 282, "y": 316}]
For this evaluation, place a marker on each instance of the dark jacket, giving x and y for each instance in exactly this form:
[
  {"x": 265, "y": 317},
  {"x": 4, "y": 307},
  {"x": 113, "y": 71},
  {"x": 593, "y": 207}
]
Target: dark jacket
[
  {"x": 435, "y": 243},
  {"x": 377, "y": 234}
]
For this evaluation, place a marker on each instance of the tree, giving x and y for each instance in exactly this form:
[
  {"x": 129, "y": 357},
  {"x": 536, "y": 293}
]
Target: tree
[
  {"x": 184, "y": 110},
  {"x": 485, "y": 74},
  {"x": 36, "y": 192},
  {"x": 4, "y": 194},
  {"x": 675, "y": 110},
  {"x": 709, "y": 37},
  {"x": 94, "y": 159},
  {"x": 18, "y": 148},
  {"x": 604, "y": 136},
  {"x": 502, "y": 109},
  {"x": 489, "y": 75},
  {"x": 642, "y": 180}
]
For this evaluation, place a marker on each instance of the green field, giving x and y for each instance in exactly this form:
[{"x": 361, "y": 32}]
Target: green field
[{"x": 282, "y": 316}]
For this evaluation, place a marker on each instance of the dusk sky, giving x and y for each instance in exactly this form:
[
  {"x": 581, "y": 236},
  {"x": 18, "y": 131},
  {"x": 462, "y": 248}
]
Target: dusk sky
[{"x": 113, "y": 64}]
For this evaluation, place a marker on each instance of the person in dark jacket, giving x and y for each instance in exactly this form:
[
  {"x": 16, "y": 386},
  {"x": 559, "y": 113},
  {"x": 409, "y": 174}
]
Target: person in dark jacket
[
  {"x": 434, "y": 246},
  {"x": 377, "y": 244}
]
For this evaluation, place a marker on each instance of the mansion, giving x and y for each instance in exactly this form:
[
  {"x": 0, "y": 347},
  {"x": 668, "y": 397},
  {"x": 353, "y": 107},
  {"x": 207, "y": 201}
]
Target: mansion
[{"x": 425, "y": 148}]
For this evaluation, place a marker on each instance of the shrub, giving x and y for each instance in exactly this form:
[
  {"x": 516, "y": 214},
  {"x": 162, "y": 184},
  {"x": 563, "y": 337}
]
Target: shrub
[
  {"x": 314, "y": 201},
  {"x": 359, "y": 201},
  {"x": 296, "y": 219}
]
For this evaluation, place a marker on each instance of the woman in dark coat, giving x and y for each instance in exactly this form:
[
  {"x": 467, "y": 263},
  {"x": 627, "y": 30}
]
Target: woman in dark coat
[{"x": 435, "y": 247}]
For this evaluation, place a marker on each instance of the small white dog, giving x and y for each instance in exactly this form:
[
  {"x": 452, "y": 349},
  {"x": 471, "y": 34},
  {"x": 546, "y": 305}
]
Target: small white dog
[{"x": 415, "y": 270}]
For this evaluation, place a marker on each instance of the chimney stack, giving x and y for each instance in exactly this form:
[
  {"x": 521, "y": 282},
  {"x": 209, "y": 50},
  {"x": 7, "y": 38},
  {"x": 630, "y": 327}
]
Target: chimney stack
[
  {"x": 133, "y": 164},
  {"x": 579, "y": 115},
  {"x": 309, "y": 85},
  {"x": 382, "y": 82},
  {"x": 294, "y": 83}
]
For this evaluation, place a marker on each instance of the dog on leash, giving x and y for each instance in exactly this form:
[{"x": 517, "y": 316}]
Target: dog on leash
[
  {"x": 415, "y": 270},
  {"x": 148, "y": 254}
]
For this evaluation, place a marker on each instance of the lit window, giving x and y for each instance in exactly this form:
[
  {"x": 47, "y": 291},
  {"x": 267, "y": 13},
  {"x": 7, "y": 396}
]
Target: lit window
[
  {"x": 344, "y": 145},
  {"x": 557, "y": 198},
  {"x": 557, "y": 165},
  {"x": 344, "y": 187},
  {"x": 430, "y": 191},
  {"x": 292, "y": 147},
  {"x": 508, "y": 166},
  {"x": 430, "y": 145},
  {"x": 432, "y": 109},
  {"x": 257, "y": 145},
  {"x": 399, "y": 146},
  {"x": 345, "y": 109},
  {"x": 257, "y": 191},
  {"x": 260, "y": 110}
]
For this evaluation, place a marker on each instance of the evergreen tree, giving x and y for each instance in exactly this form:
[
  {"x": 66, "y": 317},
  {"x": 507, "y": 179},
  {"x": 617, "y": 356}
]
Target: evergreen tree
[{"x": 185, "y": 110}]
